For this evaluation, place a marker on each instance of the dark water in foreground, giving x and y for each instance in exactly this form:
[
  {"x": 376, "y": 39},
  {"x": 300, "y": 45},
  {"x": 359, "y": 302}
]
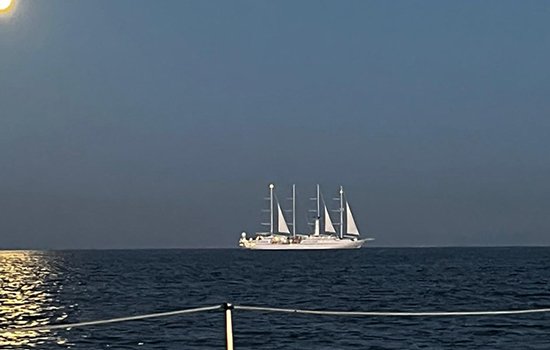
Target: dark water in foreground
[{"x": 70, "y": 286}]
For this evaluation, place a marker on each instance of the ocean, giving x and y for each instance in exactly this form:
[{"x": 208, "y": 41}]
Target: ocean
[{"x": 43, "y": 287}]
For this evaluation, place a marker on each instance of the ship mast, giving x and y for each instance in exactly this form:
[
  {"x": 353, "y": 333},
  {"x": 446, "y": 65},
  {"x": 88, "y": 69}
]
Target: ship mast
[
  {"x": 341, "y": 212},
  {"x": 294, "y": 210},
  {"x": 318, "y": 201},
  {"x": 271, "y": 186}
]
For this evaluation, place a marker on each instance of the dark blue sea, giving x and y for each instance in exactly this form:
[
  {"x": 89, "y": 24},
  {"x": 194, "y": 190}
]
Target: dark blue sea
[{"x": 43, "y": 287}]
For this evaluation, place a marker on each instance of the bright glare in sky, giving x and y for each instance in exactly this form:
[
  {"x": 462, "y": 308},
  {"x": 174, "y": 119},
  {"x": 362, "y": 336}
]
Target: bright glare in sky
[{"x": 5, "y": 5}]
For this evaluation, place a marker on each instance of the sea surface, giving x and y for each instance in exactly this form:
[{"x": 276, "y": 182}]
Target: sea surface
[{"x": 45, "y": 287}]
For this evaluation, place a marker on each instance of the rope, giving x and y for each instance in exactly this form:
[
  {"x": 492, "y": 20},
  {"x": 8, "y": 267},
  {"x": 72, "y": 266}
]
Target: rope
[
  {"x": 395, "y": 314},
  {"x": 112, "y": 320},
  {"x": 272, "y": 309}
]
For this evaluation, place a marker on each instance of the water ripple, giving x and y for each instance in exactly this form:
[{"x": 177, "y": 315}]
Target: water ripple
[{"x": 39, "y": 288}]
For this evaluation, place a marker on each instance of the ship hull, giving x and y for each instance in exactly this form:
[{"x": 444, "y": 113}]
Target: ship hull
[{"x": 307, "y": 244}]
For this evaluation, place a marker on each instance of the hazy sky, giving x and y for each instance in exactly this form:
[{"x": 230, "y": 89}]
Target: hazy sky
[{"x": 133, "y": 124}]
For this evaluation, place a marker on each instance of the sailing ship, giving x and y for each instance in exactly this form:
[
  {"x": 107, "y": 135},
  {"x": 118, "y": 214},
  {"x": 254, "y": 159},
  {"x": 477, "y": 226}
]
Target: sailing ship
[{"x": 280, "y": 237}]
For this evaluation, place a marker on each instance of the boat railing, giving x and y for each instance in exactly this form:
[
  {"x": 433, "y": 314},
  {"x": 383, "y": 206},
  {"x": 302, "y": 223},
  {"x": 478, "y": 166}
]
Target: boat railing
[{"x": 229, "y": 308}]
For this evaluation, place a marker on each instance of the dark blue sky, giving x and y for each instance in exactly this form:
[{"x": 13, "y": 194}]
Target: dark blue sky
[{"x": 160, "y": 124}]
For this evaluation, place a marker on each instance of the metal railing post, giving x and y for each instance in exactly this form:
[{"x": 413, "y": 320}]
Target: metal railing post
[{"x": 228, "y": 325}]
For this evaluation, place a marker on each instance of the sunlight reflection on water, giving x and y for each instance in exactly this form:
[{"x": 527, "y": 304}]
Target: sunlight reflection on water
[{"x": 28, "y": 298}]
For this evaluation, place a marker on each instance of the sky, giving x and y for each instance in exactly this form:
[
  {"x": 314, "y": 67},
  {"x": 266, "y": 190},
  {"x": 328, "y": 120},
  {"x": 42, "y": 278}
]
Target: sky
[{"x": 141, "y": 124}]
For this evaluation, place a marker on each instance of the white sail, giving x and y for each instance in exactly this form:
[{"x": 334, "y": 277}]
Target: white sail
[
  {"x": 329, "y": 227},
  {"x": 352, "y": 227},
  {"x": 283, "y": 228}
]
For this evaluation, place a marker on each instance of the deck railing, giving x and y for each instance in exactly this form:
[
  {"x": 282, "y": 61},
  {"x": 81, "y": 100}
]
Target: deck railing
[{"x": 229, "y": 308}]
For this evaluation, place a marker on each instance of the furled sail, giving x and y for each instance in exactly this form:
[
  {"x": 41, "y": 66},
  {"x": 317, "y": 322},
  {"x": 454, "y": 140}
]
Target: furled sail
[
  {"x": 316, "y": 232},
  {"x": 329, "y": 227},
  {"x": 283, "y": 228},
  {"x": 352, "y": 227}
]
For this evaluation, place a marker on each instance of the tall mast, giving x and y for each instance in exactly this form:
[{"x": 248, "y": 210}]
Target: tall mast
[
  {"x": 341, "y": 212},
  {"x": 318, "y": 201},
  {"x": 294, "y": 210},
  {"x": 271, "y": 186}
]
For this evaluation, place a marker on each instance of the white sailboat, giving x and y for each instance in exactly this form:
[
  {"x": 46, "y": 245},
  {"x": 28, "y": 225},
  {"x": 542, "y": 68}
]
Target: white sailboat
[{"x": 281, "y": 238}]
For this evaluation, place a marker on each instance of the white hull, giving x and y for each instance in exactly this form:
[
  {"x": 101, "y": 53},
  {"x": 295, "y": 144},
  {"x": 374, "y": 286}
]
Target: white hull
[{"x": 308, "y": 243}]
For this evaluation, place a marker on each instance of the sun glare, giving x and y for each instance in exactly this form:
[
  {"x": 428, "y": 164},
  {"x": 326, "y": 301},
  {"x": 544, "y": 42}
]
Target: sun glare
[{"x": 6, "y": 5}]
